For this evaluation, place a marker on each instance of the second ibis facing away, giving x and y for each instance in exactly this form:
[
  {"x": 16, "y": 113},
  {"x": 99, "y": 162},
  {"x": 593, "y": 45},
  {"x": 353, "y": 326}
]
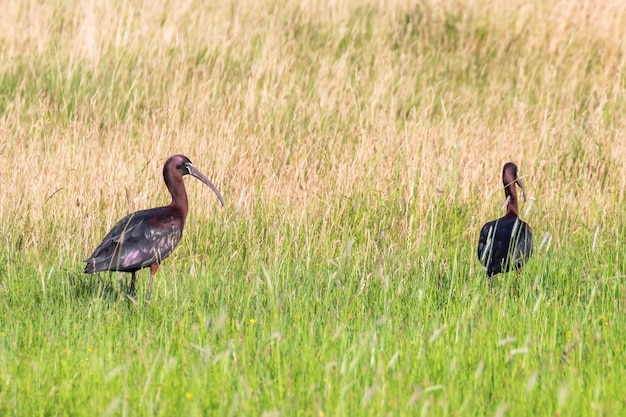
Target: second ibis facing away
[
  {"x": 506, "y": 243},
  {"x": 145, "y": 238}
]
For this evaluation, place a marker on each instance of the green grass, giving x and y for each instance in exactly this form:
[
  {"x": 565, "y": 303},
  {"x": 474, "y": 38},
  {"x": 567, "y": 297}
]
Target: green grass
[
  {"x": 358, "y": 146},
  {"x": 256, "y": 318}
]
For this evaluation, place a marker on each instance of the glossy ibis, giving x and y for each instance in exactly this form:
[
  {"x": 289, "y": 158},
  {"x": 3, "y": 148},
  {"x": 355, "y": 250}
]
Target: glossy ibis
[
  {"x": 145, "y": 238},
  {"x": 506, "y": 243}
]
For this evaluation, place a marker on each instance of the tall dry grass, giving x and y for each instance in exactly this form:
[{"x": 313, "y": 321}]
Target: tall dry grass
[{"x": 302, "y": 104}]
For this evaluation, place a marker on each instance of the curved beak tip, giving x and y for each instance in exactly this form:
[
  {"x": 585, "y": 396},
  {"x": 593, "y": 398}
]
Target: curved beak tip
[{"x": 522, "y": 188}]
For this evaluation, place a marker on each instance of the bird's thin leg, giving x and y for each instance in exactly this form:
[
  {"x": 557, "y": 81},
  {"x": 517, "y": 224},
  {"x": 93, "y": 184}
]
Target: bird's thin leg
[
  {"x": 132, "y": 285},
  {"x": 153, "y": 271}
]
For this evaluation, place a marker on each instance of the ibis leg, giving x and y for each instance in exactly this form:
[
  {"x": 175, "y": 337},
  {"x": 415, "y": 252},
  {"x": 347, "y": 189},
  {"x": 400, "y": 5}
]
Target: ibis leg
[
  {"x": 132, "y": 284},
  {"x": 153, "y": 271}
]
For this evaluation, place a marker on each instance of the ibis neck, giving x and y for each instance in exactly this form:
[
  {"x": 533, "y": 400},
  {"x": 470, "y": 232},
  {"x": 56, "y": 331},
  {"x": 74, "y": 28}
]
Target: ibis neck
[
  {"x": 511, "y": 193},
  {"x": 176, "y": 187}
]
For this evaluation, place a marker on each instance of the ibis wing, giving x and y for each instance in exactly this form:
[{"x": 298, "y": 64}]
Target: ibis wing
[
  {"x": 503, "y": 244},
  {"x": 524, "y": 247},
  {"x": 485, "y": 243},
  {"x": 138, "y": 240}
]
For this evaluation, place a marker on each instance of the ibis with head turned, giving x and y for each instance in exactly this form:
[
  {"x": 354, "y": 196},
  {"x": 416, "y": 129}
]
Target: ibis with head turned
[
  {"x": 506, "y": 243},
  {"x": 145, "y": 238}
]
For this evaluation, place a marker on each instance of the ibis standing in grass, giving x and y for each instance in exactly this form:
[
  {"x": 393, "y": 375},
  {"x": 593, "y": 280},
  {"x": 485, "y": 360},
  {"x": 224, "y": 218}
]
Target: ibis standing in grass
[
  {"x": 145, "y": 238},
  {"x": 506, "y": 243}
]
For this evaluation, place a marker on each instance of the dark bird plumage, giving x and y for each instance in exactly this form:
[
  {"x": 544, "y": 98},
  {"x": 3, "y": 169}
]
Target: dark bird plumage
[
  {"x": 506, "y": 243},
  {"x": 145, "y": 238}
]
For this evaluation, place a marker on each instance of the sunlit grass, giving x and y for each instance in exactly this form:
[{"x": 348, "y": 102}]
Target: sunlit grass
[{"x": 359, "y": 148}]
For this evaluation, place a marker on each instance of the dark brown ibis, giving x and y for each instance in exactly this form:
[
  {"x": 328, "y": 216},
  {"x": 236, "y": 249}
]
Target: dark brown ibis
[
  {"x": 145, "y": 238},
  {"x": 506, "y": 243}
]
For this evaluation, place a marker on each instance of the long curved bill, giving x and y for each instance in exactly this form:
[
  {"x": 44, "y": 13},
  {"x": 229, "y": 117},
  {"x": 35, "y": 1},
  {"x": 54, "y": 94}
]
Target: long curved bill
[{"x": 199, "y": 175}]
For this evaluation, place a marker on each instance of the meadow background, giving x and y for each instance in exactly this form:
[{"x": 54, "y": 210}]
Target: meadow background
[{"x": 359, "y": 148}]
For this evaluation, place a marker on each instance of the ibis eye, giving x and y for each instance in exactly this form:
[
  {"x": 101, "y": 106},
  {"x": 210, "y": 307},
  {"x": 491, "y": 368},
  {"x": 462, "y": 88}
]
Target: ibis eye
[{"x": 189, "y": 166}]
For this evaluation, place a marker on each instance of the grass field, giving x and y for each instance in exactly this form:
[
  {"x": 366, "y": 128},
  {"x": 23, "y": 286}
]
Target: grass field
[{"x": 359, "y": 148}]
